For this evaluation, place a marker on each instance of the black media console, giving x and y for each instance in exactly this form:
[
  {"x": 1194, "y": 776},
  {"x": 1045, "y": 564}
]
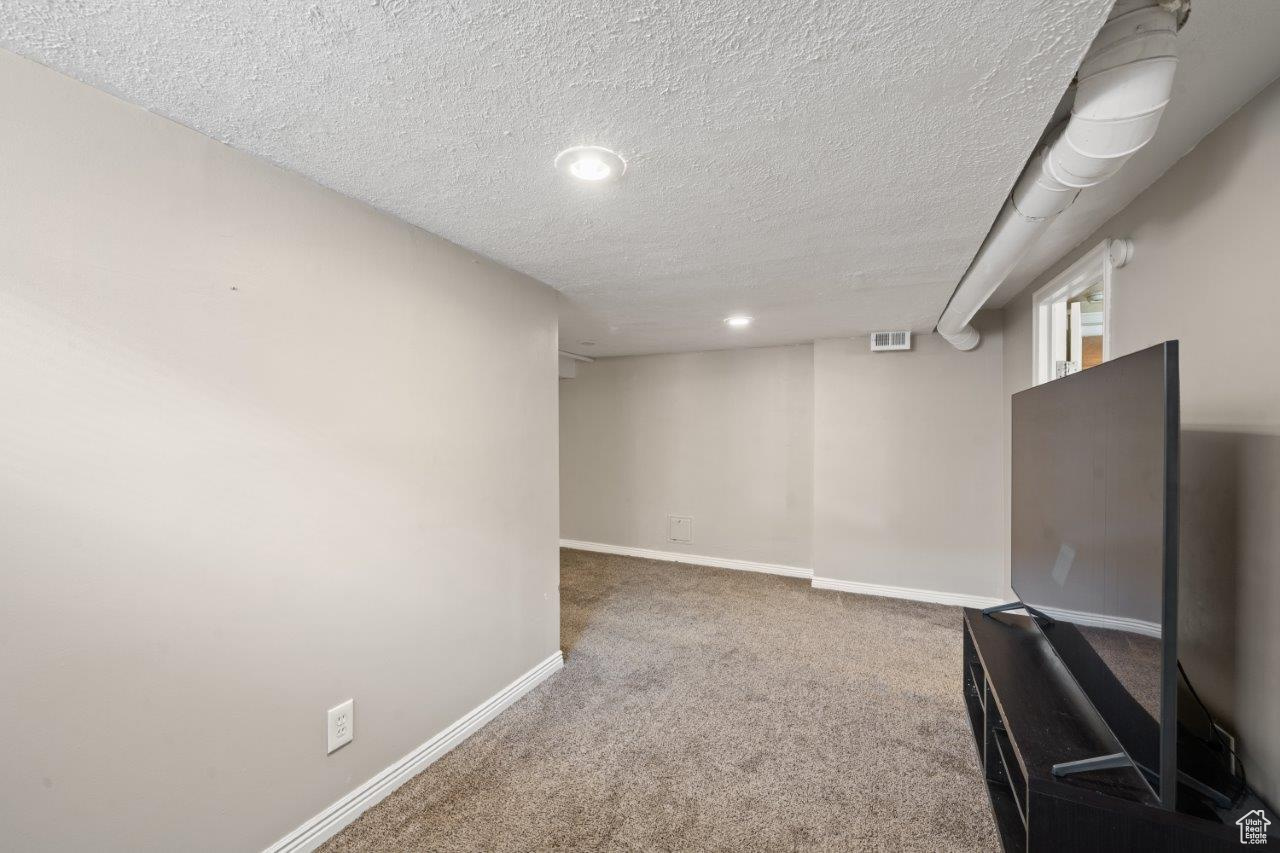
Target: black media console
[{"x": 1028, "y": 714}]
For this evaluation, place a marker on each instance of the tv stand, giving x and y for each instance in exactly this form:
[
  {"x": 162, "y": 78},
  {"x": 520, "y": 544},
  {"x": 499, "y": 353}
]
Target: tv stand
[{"x": 1028, "y": 715}]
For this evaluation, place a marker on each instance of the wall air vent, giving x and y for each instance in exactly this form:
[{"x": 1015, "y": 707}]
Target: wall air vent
[{"x": 887, "y": 341}]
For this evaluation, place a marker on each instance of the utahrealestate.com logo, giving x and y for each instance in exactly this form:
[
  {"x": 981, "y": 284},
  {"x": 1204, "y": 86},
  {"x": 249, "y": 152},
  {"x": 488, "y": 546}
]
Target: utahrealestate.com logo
[{"x": 1253, "y": 827}]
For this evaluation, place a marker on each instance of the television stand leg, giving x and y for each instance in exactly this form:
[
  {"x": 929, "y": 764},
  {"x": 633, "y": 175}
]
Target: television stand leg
[
  {"x": 1119, "y": 759},
  {"x": 1220, "y": 799},
  {"x": 1001, "y": 608},
  {"x": 1016, "y": 605},
  {"x": 1100, "y": 762}
]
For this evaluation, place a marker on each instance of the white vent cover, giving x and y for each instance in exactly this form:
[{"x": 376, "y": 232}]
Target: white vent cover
[{"x": 884, "y": 341}]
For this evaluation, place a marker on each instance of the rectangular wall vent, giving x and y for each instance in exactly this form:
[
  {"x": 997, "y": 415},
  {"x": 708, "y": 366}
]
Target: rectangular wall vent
[{"x": 885, "y": 341}]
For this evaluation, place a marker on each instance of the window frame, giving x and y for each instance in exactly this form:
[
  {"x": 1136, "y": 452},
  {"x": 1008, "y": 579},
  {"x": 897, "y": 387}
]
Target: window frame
[{"x": 1097, "y": 265}]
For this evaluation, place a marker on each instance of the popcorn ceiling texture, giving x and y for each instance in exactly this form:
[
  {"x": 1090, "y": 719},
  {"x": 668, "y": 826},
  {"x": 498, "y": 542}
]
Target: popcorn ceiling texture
[{"x": 829, "y": 168}]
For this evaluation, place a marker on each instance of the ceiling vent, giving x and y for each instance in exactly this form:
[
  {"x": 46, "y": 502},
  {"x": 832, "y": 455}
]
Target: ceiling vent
[{"x": 888, "y": 341}]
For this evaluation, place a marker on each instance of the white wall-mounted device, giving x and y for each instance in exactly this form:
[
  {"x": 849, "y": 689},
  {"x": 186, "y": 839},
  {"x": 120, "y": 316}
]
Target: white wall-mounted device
[{"x": 888, "y": 341}]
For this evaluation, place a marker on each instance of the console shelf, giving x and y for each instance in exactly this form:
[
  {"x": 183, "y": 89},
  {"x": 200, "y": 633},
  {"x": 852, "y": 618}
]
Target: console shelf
[{"x": 1027, "y": 714}]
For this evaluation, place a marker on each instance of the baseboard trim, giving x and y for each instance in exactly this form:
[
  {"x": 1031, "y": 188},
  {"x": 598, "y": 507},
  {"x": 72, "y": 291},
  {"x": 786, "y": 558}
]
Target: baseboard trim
[
  {"x": 955, "y": 599},
  {"x": 329, "y": 822},
  {"x": 692, "y": 559},
  {"x": 1098, "y": 620}
]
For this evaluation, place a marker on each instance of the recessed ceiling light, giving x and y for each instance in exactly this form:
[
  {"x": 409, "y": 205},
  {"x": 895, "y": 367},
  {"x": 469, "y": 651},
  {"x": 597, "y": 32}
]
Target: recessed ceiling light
[
  {"x": 738, "y": 321},
  {"x": 591, "y": 163}
]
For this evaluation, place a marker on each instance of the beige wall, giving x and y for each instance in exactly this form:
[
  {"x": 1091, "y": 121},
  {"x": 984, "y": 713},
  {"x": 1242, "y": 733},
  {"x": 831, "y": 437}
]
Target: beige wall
[
  {"x": 263, "y": 449},
  {"x": 1207, "y": 272},
  {"x": 878, "y": 468},
  {"x": 907, "y": 463},
  {"x": 724, "y": 437}
]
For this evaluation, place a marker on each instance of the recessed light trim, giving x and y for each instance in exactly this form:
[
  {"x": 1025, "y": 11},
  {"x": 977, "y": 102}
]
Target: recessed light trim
[
  {"x": 738, "y": 321},
  {"x": 591, "y": 164}
]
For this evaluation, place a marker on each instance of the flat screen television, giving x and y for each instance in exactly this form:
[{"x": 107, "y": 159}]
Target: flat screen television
[{"x": 1095, "y": 543}]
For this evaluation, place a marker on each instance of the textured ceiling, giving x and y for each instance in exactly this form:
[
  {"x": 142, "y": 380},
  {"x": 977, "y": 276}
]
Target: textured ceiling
[
  {"x": 829, "y": 168},
  {"x": 1227, "y": 53}
]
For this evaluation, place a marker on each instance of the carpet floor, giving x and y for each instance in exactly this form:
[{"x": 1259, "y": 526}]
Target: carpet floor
[{"x": 708, "y": 709}]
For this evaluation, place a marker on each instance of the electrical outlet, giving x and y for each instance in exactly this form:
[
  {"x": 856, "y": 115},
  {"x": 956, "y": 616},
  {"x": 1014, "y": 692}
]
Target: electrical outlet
[
  {"x": 679, "y": 528},
  {"x": 342, "y": 724}
]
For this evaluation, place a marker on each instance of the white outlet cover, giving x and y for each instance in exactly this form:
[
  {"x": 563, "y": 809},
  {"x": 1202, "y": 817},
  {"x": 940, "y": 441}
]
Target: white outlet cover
[
  {"x": 679, "y": 528},
  {"x": 342, "y": 724}
]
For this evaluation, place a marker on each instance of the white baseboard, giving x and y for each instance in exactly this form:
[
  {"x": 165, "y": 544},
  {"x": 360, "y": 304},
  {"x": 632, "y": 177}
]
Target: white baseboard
[
  {"x": 693, "y": 559},
  {"x": 953, "y": 598},
  {"x": 329, "y": 822},
  {"x": 1102, "y": 620}
]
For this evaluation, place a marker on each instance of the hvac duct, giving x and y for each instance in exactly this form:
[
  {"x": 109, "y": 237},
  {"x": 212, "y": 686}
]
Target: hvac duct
[{"x": 1122, "y": 88}]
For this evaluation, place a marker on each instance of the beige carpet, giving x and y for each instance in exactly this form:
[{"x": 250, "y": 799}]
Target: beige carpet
[{"x": 707, "y": 709}]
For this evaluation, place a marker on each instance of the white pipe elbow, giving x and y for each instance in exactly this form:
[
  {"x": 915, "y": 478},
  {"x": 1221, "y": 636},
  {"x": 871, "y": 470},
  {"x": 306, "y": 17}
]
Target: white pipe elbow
[
  {"x": 964, "y": 339},
  {"x": 1124, "y": 84}
]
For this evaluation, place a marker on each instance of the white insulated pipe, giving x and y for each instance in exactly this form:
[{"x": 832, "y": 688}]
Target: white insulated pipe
[{"x": 1122, "y": 88}]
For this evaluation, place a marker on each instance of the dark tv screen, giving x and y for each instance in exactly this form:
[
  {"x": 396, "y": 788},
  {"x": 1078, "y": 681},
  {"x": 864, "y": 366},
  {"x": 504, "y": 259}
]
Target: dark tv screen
[{"x": 1094, "y": 541}]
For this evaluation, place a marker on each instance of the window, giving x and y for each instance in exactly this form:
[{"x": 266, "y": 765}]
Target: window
[{"x": 1071, "y": 315}]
